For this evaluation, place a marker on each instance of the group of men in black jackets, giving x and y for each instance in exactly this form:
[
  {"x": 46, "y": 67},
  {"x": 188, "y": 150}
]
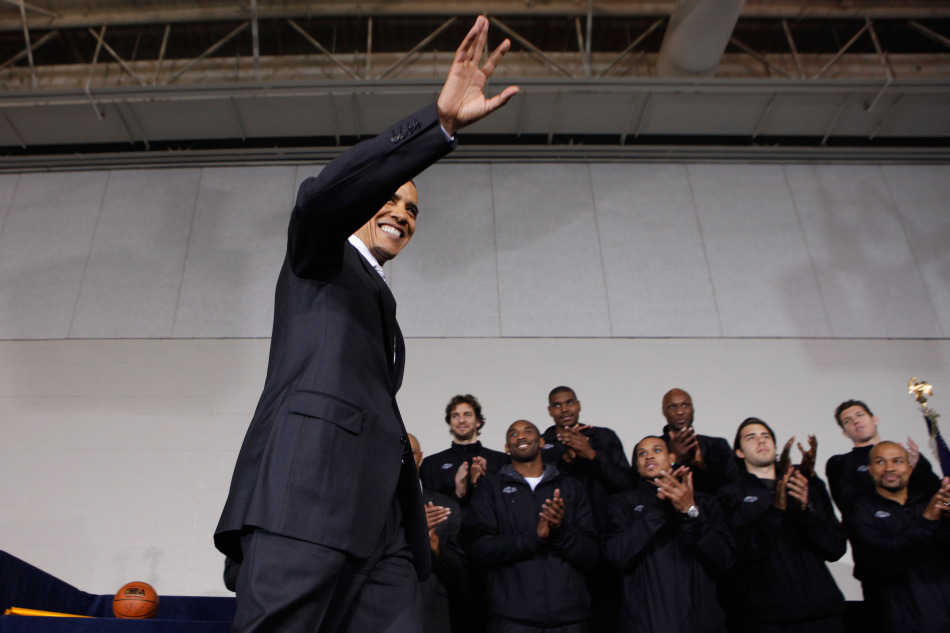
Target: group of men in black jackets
[{"x": 560, "y": 534}]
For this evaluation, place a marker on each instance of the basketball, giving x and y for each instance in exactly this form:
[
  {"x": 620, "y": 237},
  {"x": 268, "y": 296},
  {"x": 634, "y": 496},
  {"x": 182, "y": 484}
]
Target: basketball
[{"x": 135, "y": 601}]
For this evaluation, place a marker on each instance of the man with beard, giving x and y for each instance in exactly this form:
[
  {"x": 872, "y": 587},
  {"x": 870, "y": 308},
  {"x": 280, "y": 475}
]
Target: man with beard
[
  {"x": 531, "y": 529},
  {"x": 847, "y": 474},
  {"x": 901, "y": 540},
  {"x": 595, "y": 457},
  {"x": 709, "y": 459},
  {"x": 457, "y": 470},
  {"x": 785, "y": 529},
  {"x": 670, "y": 543}
]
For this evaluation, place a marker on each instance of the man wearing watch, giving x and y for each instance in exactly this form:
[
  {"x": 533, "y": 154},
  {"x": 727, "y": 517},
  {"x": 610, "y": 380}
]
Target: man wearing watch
[
  {"x": 670, "y": 543},
  {"x": 785, "y": 531}
]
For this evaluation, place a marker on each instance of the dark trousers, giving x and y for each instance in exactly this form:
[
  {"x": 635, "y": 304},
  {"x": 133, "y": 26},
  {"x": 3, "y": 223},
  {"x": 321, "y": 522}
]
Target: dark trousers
[
  {"x": 294, "y": 586},
  {"x": 501, "y": 625}
]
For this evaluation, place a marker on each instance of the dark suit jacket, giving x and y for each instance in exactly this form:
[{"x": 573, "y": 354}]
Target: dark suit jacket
[{"x": 326, "y": 451}]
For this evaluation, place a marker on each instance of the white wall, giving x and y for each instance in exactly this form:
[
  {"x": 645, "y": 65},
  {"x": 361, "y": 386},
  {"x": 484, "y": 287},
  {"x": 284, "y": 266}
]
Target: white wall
[
  {"x": 115, "y": 455},
  {"x": 501, "y": 250},
  {"x": 135, "y": 306}
]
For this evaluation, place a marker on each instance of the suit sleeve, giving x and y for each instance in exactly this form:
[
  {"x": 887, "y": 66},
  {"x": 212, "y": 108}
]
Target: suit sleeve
[{"x": 352, "y": 188}]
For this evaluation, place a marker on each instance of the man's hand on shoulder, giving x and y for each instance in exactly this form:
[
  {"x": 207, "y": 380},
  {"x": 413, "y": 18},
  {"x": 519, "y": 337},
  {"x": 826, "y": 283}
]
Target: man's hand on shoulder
[{"x": 462, "y": 101}]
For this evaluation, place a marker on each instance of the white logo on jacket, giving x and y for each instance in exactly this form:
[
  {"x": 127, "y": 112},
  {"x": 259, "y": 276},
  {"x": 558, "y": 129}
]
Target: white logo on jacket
[{"x": 447, "y": 465}]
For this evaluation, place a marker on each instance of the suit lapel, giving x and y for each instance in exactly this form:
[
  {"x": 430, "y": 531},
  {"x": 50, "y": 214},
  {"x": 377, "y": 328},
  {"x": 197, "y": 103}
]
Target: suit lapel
[{"x": 391, "y": 335}]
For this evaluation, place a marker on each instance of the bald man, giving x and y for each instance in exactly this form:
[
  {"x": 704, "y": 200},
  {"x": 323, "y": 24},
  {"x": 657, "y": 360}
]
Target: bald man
[
  {"x": 709, "y": 458},
  {"x": 533, "y": 532},
  {"x": 901, "y": 541}
]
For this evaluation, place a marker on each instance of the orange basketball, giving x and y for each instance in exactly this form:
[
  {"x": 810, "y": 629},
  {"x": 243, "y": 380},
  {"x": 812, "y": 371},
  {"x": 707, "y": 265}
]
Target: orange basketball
[{"x": 135, "y": 601}]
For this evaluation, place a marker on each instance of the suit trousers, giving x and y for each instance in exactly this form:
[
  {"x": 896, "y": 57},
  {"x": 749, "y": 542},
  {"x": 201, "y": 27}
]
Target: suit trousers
[{"x": 294, "y": 586}]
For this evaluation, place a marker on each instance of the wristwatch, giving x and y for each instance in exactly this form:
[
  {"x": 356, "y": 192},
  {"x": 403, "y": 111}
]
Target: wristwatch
[{"x": 692, "y": 512}]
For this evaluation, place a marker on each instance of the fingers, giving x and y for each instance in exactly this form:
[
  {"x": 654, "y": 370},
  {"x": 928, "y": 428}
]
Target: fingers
[
  {"x": 496, "y": 56},
  {"x": 798, "y": 488},
  {"x": 466, "y": 50},
  {"x": 552, "y": 510},
  {"x": 436, "y": 515},
  {"x": 482, "y": 23}
]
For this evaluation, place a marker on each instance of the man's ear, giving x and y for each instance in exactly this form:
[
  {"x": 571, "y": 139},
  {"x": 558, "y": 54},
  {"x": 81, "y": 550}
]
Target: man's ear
[
  {"x": 506, "y": 448},
  {"x": 740, "y": 454},
  {"x": 540, "y": 442}
]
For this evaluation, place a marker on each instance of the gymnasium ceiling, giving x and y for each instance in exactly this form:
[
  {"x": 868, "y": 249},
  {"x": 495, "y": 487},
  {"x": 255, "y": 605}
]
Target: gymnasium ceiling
[{"x": 93, "y": 83}]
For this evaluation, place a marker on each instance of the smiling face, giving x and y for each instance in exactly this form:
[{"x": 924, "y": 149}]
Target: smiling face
[
  {"x": 889, "y": 467},
  {"x": 523, "y": 442},
  {"x": 678, "y": 409},
  {"x": 652, "y": 456},
  {"x": 859, "y": 426},
  {"x": 463, "y": 423},
  {"x": 758, "y": 446},
  {"x": 392, "y": 227}
]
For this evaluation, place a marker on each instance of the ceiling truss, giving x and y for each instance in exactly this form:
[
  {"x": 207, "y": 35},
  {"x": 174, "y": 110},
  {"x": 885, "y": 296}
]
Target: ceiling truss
[{"x": 892, "y": 59}]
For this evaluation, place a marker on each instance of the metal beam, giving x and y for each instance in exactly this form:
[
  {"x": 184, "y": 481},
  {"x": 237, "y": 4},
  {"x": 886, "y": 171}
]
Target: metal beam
[
  {"x": 534, "y": 50},
  {"x": 224, "y": 40},
  {"x": 255, "y": 41},
  {"x": 844, "y": 49},
  {"x": 116, "y": 57},
  {"x": 794, "y": 49},
  {"x": 736, "y": 42},
  {"x": 937, "y": 37},
  {"x": 238, "y": 10},
  {"x": 29, "y": 49},
  {"x": 632, "y": 46},
  {"x": 322, "y": 49},
  {"x": 29, "y": 7},
  {"x": 161, "y": 54},
  {"x": 38, "y": 43},
  {"x": 418, "y": 47}
]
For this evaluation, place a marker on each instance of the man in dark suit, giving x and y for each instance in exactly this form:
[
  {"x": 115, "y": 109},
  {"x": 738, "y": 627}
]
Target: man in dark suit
[{"x": 325, "y": 508}]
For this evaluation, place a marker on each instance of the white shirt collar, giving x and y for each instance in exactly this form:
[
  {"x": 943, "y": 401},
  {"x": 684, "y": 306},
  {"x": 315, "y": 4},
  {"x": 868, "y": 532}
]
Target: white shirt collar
[{"x": 361, "y": 247}]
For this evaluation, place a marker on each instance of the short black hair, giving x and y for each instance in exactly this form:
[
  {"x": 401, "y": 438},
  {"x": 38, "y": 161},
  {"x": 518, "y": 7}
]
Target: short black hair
[
  {"x": 737, "y": 444},
  {"x": 847, "y": 404},
  {"x": 560, "y": 389},
  {"x": 640, "y": 441}
]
